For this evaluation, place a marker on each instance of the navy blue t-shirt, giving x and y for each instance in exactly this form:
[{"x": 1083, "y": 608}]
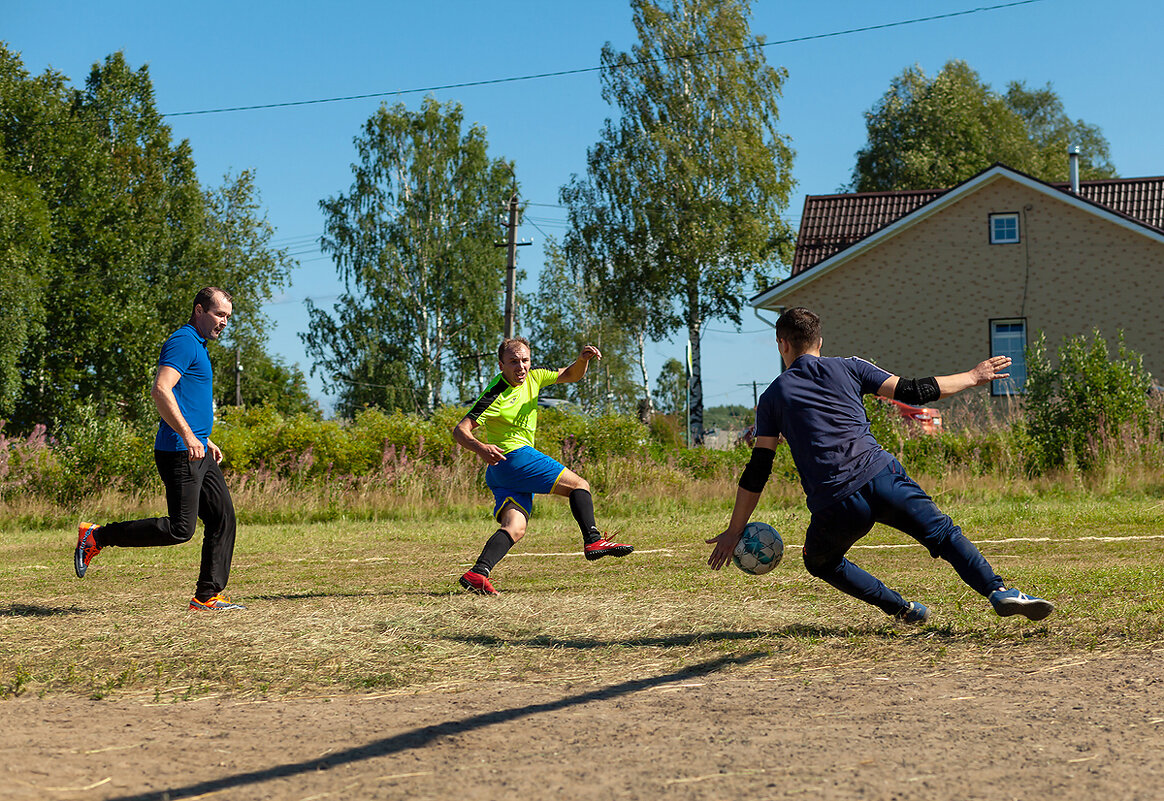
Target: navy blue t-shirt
[
  {"x": 816, "y": 405},
  {"x": 185, "y": 351}
]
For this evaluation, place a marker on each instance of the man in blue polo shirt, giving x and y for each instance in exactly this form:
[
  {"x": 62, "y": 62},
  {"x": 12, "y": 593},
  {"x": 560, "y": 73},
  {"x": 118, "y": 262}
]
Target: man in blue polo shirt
[
  {"x": 850, "y": 481},
  {"x": 187, "y": 461}
]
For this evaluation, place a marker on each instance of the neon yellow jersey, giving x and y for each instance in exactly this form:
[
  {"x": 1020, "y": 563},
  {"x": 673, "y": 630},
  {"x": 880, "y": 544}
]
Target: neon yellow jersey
[{"x": 508, "y": 414}]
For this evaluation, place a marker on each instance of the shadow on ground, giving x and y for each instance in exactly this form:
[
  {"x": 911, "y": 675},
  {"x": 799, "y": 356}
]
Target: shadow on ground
[
  {"x": 794, "y": 631},
  {"x": 33, "y": 610},
  {"x": 418, "y": 738}
]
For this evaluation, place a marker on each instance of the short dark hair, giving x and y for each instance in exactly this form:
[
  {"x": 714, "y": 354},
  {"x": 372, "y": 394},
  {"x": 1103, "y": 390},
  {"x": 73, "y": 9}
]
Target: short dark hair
[
  {"x": 799, "y": 327},
  {"x": 207, "y": 295},
  {"x": 506, "y": 344}
]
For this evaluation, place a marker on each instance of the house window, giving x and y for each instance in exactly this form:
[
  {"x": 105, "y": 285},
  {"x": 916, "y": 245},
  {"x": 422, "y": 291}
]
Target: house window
[
  {"x": 1009, "y": 338},
  {"x": 1004, "y": 228}
]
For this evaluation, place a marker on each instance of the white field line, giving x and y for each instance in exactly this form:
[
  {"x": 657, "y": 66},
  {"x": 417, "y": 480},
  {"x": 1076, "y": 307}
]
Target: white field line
[
  {"x": 511, "y": 554},
  {"x": 787, "y": 546},
  {"x": 1020, "y": 539}
]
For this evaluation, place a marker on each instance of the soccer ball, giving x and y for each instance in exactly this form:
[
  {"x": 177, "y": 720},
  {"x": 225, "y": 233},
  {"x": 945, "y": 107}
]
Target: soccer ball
[{"x": 759, "y": 550}]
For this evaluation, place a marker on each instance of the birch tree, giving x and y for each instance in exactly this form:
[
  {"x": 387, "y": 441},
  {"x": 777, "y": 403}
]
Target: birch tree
[
  {"x": 413, "y": 241},
  {"x": 690, "y": 177}
]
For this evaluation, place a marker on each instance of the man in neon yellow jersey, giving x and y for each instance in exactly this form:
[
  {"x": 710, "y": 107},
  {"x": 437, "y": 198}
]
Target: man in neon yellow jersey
[{"x": 508, "y": 412}]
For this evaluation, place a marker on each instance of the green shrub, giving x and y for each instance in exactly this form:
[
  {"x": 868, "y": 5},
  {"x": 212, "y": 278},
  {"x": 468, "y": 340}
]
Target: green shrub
[
  {"x": 1075, "y": 413},
  {"x": 702, "y": 463},
  {"x": 98, "y": 451},
  {"x": 885, "y": 424}
]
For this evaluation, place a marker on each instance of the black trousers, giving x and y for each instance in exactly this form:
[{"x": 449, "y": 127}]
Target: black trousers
[{"x": 194, "y": 489}]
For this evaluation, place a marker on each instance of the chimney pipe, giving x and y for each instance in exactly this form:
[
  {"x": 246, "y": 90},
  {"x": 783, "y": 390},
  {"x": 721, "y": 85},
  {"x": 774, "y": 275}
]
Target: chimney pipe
[{"x": 1073, "y": 161}]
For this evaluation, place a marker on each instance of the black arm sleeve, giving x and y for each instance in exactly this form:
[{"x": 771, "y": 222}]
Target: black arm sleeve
[
  {"x": 759, "y": 468},
  {"x": 917, "y": 391}
]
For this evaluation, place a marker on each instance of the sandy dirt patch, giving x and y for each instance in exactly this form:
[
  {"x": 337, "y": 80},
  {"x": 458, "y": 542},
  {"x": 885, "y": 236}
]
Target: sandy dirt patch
[{"x": 1089, "y": 726}]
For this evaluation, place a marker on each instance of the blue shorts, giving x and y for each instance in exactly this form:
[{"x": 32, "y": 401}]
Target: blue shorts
[{"x": 524, "y": 472}]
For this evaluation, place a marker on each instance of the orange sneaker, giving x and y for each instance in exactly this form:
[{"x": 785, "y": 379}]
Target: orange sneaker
[
  {"x": 87, "y": 548},
  {"x": 218, "y": 603}
]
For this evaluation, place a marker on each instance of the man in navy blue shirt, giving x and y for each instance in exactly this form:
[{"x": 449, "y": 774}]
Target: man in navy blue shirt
[
  {"x": 187, "y": 461},
  {"x": 850, "y": 481}
]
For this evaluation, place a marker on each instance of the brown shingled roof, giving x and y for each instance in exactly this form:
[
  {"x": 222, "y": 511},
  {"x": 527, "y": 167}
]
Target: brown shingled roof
[
  {"x": 831, "y": 223},
  {"x": 1142, "y": 199}
]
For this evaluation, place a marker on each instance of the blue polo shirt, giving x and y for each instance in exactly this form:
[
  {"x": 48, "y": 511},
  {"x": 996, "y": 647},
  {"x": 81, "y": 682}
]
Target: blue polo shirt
[
  {"x": 185, "y": 351},
  {"x": 816, "y": 405}
]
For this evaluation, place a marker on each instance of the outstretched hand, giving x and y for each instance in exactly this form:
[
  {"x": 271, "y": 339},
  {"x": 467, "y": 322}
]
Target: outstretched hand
[
  {"x": 590, "y": 352},
  {"x": 725, "y": 546},
  {"x": 988, "y": 370}
]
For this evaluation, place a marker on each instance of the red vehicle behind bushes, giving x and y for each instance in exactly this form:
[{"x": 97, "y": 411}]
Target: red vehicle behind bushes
[{"x": 929, "y": 420}]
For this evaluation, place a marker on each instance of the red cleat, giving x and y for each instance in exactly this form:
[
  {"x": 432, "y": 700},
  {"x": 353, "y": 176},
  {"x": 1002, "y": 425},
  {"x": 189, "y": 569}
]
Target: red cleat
[
  {"x": 475, "y": 582},
  {"x": 86, "y": 549},
  {"x": 604, "y": 547}
]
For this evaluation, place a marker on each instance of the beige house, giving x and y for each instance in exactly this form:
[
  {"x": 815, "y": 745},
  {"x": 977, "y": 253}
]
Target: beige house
[{"x": 932, "y": 282}]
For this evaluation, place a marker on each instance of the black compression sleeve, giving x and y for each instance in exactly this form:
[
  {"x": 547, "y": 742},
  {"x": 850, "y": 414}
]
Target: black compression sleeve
[
  {"x": 917, "y": 390},
  {"x": 759, "y": 468}
]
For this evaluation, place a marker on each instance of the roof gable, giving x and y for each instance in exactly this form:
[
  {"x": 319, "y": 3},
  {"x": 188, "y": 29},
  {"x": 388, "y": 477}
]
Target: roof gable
[
  {"x": 835, "y": 228},
  {"x": 831, "y": 223}
]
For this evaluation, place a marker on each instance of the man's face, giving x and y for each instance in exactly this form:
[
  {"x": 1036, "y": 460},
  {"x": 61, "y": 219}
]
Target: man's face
[
  {"x": 210, "y": 322},
  {"x": 515, "y": 364}
]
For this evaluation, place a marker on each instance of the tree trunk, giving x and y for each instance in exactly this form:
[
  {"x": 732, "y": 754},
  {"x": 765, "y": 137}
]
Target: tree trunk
[
  {"x": 647, "y": 406},
  {"x": 694, "y": 326}
]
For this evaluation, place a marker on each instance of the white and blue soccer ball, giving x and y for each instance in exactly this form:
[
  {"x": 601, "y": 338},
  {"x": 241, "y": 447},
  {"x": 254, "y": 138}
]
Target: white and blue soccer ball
[{"x": 759, "y": 550}]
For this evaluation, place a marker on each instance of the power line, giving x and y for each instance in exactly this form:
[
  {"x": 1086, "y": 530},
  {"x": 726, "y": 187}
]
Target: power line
[
  {"x": 585, "y": 70},
  {"x": 725, "y": 331},
  {"x": 535, "y": 225}
]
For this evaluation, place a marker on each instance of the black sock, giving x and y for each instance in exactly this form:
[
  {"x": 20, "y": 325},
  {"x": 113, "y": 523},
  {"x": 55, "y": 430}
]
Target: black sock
[
  {"x": 582, "y": 507},
  {"x": 497, "y": 547}
]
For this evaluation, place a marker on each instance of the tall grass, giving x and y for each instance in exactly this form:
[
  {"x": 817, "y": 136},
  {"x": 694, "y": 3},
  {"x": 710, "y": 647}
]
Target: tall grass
[{"x": 384, "y": 467}]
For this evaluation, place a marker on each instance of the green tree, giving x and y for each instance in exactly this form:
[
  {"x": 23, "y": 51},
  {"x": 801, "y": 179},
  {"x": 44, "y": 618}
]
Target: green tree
[
  {"x": 566, "y": 314},
  {"x": 24, "y": 243},
  {"x": 604, "y": 247},
  {"x": 1051, "y": 132},
  {"x": 263, "y": 380},
  {"x": 132, "y": 236},
  {"x": 701, "y": 173},
  {"x": 671, "y": 388},
  {"x": 413, "y": 242},
  {"x": 932, "y": 133}
]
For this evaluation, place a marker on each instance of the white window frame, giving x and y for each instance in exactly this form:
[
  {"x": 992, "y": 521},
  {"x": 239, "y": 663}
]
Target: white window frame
[
  {"x": 1003, "y": 343},
  {"x": 1008, "y": 218}
]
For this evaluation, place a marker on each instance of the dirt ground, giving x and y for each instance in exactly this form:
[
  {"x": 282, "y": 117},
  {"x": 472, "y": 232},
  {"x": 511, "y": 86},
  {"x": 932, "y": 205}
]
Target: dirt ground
[{"x": 1089, "y": 726}]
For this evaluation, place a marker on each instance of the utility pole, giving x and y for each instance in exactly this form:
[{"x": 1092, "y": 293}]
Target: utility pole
[
  {"x": 755, "y": 392},
  {"x": 511, "y": 244}
]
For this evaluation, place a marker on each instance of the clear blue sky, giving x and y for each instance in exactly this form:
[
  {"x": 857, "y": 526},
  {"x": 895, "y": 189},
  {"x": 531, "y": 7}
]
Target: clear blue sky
[{"x": 1105, "y": 61}]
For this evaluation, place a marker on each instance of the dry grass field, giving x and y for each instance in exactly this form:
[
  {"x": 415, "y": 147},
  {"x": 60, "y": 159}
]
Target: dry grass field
[{"x": 360, "y": 670}]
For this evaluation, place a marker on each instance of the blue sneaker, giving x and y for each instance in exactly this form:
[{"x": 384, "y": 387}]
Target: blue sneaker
[
  {"x": 913, "y": 613},
  {"x": 1012, "y": 602}
]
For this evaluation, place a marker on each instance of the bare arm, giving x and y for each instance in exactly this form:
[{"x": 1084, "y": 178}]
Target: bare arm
[
  {"x": 463, "y": 436},
  {"x": 163, "y": 394},
  {"x": 745, "y": 504},
  {"x": 982, "y": 373},
  {"x": 568, "y": 375}
]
